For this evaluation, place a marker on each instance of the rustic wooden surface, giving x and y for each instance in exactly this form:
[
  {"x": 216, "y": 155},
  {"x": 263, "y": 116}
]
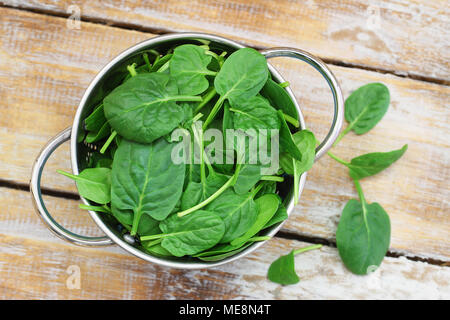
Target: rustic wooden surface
[{"x": 45, "y": 67}]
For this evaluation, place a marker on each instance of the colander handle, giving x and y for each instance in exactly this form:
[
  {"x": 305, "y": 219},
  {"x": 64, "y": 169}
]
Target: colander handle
[
  {"x": 35, "y": 188},
  {"x": 338, "y": 99}
]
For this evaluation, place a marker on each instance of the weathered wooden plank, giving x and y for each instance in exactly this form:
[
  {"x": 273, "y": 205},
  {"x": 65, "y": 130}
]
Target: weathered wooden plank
[
  {"x": 61, "y": 63},
  {"x": 37, "y": 265},
  {"x": 409, "y": 37}
]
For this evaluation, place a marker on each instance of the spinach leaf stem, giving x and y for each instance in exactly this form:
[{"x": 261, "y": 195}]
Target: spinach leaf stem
[
  {"x": 208, "y": 200},
  {"x": 345, "y": 163},
  {"x": 108, "y": 142},
  {"x": 211, "y": 93},
  {"x": 313, "y": 247},
  {"x": 291, "y": 120},
  {"x": 132, "y": 69},
  {"x": 272, "y": 178},
  {"x": 214, "y": 111}
]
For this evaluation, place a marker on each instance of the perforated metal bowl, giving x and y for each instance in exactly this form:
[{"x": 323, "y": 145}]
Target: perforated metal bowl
[{"x": 106, "y": 80}]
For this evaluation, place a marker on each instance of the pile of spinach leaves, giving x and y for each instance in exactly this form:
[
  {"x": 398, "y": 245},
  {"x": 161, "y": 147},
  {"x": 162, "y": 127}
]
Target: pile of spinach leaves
[{"x": 204, "y": 210}]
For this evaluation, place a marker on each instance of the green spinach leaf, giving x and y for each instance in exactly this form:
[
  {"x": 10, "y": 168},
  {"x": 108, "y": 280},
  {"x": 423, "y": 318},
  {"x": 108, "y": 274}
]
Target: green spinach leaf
[
  {"x": 241, "y": 77},
  {"x": 144, "y": 108},
  {"x": 93, "y": 184},
  {"x": 278, "y": 217},
  {"x": 191, "y": 234},
  {"x": 238, "y": 213},
  {"x": 372, "y": 163},
  {"x": 189, "y": 66},
  {"x": 254, "y": 113},
  {"x": 363, "y": 234},
  {"x": 279, "y": 98},
  {"x": 267, "y": 206},
  {"x": 145, "y": 181},
  {"x": 282, "y": 270},
  {"x": 366, "y": 106},
  {"x": 226, "y": 247}
]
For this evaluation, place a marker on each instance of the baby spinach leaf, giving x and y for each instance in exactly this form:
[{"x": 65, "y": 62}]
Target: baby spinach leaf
[
  {"x": 287, "y": 143},
  {"x": 191, "y": 234},
  {"x": 363, "y": 234},
  {"x": 148, "y": 226},
  {"x": 282, "y": 270},
  {"x": 267, "y": 187},
  {"x": 365, "y": 107},
  {"x": 267, "y": 206},
  {"x": 371, "y": 163},
  {"x": 158, "y": 250},
  {"x": 249, "y": 175},
  {"x": 103, "y": 208},
  {"x": 242, "y": 75},
  {"x": 278, "y": 217},
  {"x": 189, "y": 67},
  {"x": 224, "y": 255},
  {"x": 196, "y": 192},
  {"x": 93, "y": 184},
  {"x": 238, "y": 213},
  {"x": 226, "y": 247},
  {"x": 94, "y": 136},
  {"x": 95, "y": 120},
  {"x": 145, "y": 181},
  {"x": 306, "y": 142},
  {"x": 144, "y": 108},
  {"x": 254, "y": 113},
  {"x": 279, "y": 98}
]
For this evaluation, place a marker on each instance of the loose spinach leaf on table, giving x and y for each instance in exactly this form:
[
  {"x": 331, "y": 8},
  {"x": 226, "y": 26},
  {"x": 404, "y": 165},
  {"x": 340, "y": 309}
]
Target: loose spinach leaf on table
[
  {"x": 372, "y": 163},
  {"x": 282, "y": 270},
  {"x": 144, "y": 108},
  {"x": 363, "y": 234},
  {"x": 93, "y": 184},
  {"x": 145, "y": 181},
  {"x": 366, "y": 106},
  {"x": 189, "y": 67}
]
